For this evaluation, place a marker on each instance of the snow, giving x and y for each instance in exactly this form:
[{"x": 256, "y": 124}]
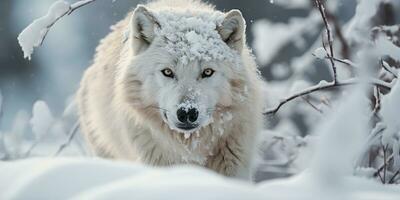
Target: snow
[
  {"x": 391, "y": 29},
  {"x": 271, "y": 37},
  {"x": 33, "y": 35},
  {"x": 42, "y": 119},
  {"x": 67, "y": 178},
  {"x": 359, "y": 26},
  {"x": 387, "y": 48},
  {"x": 299, "y": 85},
  {"x": 320, "y": 53},
  {"x": 342, "y": 139},
  {"x": 186, "y": 105},
  {"x": 192, "y": 36},
  {"x": 327, "y": 172},
  {"x": 390, "y": 116},
  {"x": 280, "y": 70},
  {"x": 323, "y": 83},
  {"x": 292, "y": 4}
]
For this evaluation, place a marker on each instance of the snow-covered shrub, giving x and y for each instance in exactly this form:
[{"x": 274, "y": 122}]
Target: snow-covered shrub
[
  {"x": 41, "y": 134},
  {"x": 364, "y": 44}
]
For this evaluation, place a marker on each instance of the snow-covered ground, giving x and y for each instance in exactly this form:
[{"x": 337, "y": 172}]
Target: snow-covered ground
[{"x": 65, "y": 178}]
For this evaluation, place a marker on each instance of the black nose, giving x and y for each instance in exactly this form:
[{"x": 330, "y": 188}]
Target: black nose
[{"x": 187, "y": 115}]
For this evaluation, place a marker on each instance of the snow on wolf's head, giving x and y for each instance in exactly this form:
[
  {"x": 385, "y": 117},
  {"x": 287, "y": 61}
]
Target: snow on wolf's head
[{"x": 187, "y": 65}]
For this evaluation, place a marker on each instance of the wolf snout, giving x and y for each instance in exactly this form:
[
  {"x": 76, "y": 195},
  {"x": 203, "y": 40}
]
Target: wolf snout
[
  {"x": 185, "y": 115},
  {"x": 187, "y": 118}
]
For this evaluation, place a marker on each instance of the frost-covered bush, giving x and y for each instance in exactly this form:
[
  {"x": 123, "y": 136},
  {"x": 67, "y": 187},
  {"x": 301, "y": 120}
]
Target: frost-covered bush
[
  {"x": 39, "y": 133},
  {"x": 364, "y": 44}
]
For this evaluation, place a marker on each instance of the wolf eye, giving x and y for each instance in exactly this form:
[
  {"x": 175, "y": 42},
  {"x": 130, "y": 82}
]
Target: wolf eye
[
  {"x": 168, "y": 72},
  {"x": 207, "y": 73}
]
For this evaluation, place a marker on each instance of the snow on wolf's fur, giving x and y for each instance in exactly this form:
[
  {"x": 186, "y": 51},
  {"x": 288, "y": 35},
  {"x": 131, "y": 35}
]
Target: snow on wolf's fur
[
  {"x": 129, "y": 105},
  {"x": 194, "y": 37}
]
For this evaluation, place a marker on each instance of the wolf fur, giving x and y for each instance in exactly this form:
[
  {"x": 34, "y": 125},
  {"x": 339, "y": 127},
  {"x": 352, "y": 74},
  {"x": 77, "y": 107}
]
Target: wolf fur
[{"x": 123, "y": 95}]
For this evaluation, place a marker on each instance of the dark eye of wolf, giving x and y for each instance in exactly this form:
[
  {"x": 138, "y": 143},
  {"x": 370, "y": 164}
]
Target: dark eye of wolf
[
  {"x": 207, "y": 73},
  {"x": 168, "y": 72}
]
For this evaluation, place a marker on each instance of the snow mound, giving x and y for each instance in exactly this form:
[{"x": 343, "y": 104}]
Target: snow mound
[{"x": 62, "y": 178}]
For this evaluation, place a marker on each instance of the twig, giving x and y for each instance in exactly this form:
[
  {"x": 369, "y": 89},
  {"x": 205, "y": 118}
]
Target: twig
[
  {"x": 389, "y": 69},
  {"x": 344, "y": 61},
  {"x": 384, "y": 163},
  {"x": 381, "y": 178},
  {"x": 321, "y": 9},
  {"x": 377, "y": 96},
  {"x": 394, "y": 176},
  {"x": 323, "y": 87},
  {"x": 71, "y": 9},
  {"x": 311, "y": 104},
  {"x": 79, "y": 4},
  {"x": 339, "y": 34},
  {"x": 383, "y": 166},
  {"x": 71, "y": 134},
  {"x": 326, "y": 101}
]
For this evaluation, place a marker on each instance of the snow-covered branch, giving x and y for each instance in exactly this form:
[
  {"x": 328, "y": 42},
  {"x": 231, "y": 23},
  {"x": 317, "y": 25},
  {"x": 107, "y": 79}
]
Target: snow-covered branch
[
  {"x": 324, "y": 53},
  {"x": 388, "y": 68},
  {"x": 34, "y": 34},
  {"x": 323, "y": 85}
]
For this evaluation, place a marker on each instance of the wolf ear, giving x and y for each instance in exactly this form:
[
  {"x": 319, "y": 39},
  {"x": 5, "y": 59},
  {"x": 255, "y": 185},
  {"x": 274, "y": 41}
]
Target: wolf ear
[
  {"x": 142, "y": 27},
  {"x": 232, "y": 30}
]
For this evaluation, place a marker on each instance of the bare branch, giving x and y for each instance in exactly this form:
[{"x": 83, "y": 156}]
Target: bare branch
[
  {"x": 311, "y": 104},
  {"x": 377, "y": 96},
  {"x": 339, "y": 34},
  {"x": 389, "y": 159},
  {"x": 71, "y": 134},
  {"x": 344, "y": 61},
  {"x": 321, "y": 9},
  {"x": 326, "y": 86},
  {"x": 79, "y": 4},
  {"x": 394, "y": 176},
  {"x": 385, "y": 163}
]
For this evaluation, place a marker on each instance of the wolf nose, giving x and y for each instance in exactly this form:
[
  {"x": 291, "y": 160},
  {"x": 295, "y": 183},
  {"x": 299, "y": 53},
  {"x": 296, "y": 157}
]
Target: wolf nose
[{"x": 187, "y": 115}]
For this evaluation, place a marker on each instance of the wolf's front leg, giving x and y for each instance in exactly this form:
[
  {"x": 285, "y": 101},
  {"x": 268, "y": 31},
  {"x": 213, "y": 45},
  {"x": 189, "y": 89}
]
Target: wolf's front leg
[{"x": 230, "y": 158}]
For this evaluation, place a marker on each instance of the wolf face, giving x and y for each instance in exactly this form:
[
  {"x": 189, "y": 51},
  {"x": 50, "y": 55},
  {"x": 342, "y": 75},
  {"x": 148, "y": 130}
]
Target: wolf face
[
  {"x": 187, "y": 95},
  {"x": 185, "y": 66}
]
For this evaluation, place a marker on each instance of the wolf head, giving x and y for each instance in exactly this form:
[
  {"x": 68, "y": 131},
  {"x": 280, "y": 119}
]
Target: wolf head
[{"x": 185, "y": 65}]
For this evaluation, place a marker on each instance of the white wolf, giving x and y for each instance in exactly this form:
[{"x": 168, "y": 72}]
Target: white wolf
[{"x": 174, "y": 83}]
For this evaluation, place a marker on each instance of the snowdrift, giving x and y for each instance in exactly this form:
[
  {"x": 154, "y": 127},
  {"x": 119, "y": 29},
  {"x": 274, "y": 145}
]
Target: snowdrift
[{"x": 89, "y": 178}]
